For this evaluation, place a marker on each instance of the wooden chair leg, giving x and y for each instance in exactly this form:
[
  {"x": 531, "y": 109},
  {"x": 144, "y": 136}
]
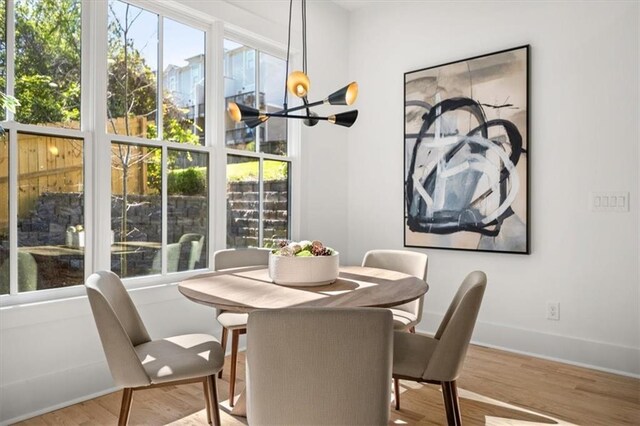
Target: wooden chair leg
[
  {"x": 451, "y": 404},
  {"x": 223, "y": 342},
  {"x": 456, "y": 402},
  {"x": 214, "y": 413},
  {"x": 396, "y": 392},
  {"x": 235, "y": 336},
  {"x": 207, "y": 397},
  {"x": 125, "y": 406}
]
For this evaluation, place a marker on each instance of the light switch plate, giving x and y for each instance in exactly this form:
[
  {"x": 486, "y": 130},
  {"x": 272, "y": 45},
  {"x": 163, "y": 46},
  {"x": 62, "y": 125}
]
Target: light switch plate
[{"x": 609, "y": 201}]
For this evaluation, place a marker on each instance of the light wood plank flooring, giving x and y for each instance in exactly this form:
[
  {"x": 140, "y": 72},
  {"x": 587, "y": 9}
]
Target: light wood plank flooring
[{"x": 496, "y": 388}]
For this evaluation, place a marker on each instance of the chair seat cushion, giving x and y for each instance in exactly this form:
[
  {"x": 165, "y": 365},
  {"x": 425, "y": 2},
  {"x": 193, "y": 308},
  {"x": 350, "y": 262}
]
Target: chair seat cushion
[
  {"x": 233, "y": 320},
  {"x": 181, "y": 357},
  {"x": 403, "y": 320},
  {"x": 411, "y": 353}
]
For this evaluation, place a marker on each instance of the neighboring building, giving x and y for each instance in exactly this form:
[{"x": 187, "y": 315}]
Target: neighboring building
[
  {"x": 185, "y": 85},
  {"x": 240, "y": 86}
]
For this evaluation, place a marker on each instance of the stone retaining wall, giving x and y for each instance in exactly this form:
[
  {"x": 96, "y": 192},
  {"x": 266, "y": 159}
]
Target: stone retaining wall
[{"x": 53, "y": 213}]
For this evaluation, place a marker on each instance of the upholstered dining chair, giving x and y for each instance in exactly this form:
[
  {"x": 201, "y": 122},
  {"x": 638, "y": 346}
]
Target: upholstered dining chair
[
  {"x": 407, "y": 316},
  {"x": 173, "y": 259},
  {"x": 189, "y": 244},
  {"x": 137, "y": 362},
  {"x": 27, "y": 274},
  {"x": 439, "y": 359},
  {"x": 315, "y": 366},
  {"x": 233, "y": 321},
  {"x": 195, "y": 242}
]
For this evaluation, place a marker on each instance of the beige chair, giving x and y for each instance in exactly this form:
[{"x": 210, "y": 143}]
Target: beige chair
[
  {"x": 137, "y": 362},
  {"x": 27, "y": 274},
  {"x": 439, "y": 359},
  {"x": 407, "y": 316},
  {"x": 233, "y": 321},
  {"x": 195, "y": 242},
  {"x": 173, "y": 259},
  {"x": 319, "y": 366}
]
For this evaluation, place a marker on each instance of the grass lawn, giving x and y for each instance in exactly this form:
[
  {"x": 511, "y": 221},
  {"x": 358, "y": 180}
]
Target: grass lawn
[{"x": 273, "y": 170}]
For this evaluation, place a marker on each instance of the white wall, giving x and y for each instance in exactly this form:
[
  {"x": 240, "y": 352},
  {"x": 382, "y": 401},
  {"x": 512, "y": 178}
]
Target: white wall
[
  {"x": 584, "y": 137},
  {"x": 51, "y": 355},
  {"x": 584, "y": 81}
]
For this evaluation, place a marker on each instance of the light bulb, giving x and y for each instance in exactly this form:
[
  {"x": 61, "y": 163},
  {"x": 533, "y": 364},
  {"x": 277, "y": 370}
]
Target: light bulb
[
  {"x": 234, "y": 112},
  {"x": 298, "y": 84},
  {"x": 352, "y": 93}
]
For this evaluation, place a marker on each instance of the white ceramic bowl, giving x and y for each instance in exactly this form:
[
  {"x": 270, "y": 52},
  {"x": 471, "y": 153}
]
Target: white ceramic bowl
[{"x": 303, "y": 271}]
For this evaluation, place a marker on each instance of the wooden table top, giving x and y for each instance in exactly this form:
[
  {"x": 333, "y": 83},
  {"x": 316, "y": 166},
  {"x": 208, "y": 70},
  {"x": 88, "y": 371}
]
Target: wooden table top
[
  {"x": 250, "y": 288},
  {"x": 116, "y": 248}
]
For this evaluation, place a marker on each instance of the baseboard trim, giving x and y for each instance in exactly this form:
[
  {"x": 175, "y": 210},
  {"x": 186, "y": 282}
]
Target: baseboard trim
[
  {"x": 606, "y": 357},
  {"x": 58, "y": 406}
]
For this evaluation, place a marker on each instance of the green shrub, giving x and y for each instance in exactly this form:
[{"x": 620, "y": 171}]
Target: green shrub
[{"x": 191, "y": 181}]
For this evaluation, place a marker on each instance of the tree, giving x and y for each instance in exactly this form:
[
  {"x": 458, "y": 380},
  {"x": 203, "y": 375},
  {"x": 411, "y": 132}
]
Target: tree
[{"x": 47, "y": 61}]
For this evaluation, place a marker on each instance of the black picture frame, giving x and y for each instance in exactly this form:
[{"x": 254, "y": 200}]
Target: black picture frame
[{"x": 466, "y": 154}]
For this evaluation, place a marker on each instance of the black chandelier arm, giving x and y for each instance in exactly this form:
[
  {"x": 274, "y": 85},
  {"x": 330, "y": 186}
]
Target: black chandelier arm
[
  {"x": 345, "y": 119},
  {"x": 298, "y": 108},
  {"x": 301, "y": 117}
]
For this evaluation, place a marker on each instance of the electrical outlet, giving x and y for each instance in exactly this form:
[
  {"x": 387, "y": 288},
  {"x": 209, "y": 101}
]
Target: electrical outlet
[{"x": 553, "y": 311}]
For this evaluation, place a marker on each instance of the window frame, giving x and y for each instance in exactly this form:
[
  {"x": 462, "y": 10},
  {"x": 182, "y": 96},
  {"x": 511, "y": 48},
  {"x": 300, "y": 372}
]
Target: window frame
[
  {"x": 12, "y": 129},
  {"x": 164, "y": 145},
  {"x": 97, "y": 143},
  {"x": 293, "y": 140}
]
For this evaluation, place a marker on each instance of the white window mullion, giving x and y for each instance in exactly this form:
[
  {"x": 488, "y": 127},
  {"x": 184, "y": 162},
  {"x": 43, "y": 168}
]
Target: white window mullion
[
  {"x": 13, "y": 211},
  {"x": 87, "y": 114},
  {"x": 10, "y": 33},
  {"x": 101, "y": 158},
  {"x": 260, "y": 202},
  {"x": 256, "y": 79},
  {"x": 159, "y": 79},
  {"x": 216, "y": 135},
  {"x": 13, "y": 150},
  {"x": 165, "y": 199}
]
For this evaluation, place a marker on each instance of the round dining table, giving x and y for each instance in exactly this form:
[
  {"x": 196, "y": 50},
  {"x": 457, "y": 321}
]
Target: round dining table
[{"x": 249, "y": 288}]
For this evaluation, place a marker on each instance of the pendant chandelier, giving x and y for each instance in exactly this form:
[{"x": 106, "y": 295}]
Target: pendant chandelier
[{"x": 298, "y": 84}]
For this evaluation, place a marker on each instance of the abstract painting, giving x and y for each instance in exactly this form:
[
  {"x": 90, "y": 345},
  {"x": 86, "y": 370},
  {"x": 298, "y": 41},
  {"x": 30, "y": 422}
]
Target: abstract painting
[{"x": 466, "y": 154}]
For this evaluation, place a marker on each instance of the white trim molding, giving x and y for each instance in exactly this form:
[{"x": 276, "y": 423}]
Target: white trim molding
[{"x": 603, "y": 356}]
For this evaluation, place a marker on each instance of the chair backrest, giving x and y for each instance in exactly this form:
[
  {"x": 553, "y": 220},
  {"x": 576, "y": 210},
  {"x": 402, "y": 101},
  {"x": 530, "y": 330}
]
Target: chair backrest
[
  {"x": 319, "y": 366},
  {"x": 456, "y": 328},
  {"x": 27, "y": 274},
  {"x": 119, "y": 326},
  {"x": 237, "y": 258},
  {"x": 405, "y": 261},
  {"x": 173, "y": 259},
  {"x": 196, "y": 242}
]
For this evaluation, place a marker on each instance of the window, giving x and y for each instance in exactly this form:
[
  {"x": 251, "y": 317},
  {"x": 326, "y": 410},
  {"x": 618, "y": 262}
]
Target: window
[
  {"x": 66, "y": 210},
  {"x": 47, "y": 62},
  {"x": 184, "y": 107},
  {"x": 46, "y": 189},
  {"x": 159, "y": 191},
  {"x": 258, "y": 168}
]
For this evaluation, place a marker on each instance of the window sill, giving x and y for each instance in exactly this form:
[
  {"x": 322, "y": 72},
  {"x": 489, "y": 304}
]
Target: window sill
[{"x": 70, "y": 302}]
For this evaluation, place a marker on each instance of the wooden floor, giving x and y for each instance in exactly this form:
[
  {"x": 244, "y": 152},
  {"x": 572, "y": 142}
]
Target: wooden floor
[{"x": 496, "y": 388}]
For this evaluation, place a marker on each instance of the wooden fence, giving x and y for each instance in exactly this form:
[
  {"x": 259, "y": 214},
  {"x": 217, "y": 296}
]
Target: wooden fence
[{"x": 55, "y": 164}]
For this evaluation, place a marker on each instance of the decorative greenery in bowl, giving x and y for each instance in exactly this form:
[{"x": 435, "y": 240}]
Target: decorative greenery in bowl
[
  {"x": 304, "y": 263},
  {"x": 303, "y": 249}
]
